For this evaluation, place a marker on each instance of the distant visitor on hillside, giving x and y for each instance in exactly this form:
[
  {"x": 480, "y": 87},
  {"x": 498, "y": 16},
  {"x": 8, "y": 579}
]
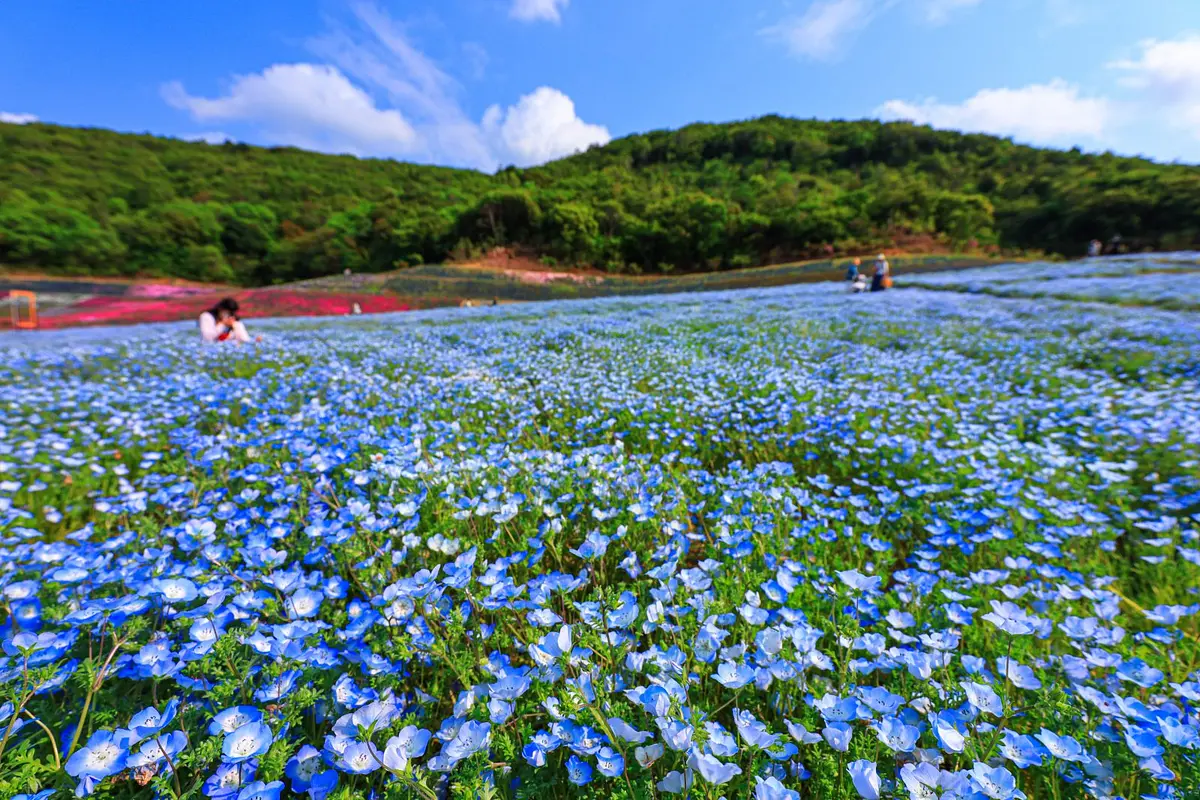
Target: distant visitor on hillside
[
  {"x": 1095, "y": 248},
  {"x": 882, "y": 278},
  {"x": 221, "y": 324},
  {"x": 852, "y": 270}
]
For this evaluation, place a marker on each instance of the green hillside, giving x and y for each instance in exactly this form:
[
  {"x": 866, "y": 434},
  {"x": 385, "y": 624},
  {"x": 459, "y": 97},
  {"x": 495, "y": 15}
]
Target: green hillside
[{"x": 706, "y": 197}]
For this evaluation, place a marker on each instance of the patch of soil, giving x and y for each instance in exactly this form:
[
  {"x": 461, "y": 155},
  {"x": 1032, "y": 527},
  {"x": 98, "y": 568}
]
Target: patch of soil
[{"x": 512, "y": 264}]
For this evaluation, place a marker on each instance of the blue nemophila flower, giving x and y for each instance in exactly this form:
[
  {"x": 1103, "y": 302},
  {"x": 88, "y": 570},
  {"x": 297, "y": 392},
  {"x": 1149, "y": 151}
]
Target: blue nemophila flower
[
  {"x": 951, "y": 731},
  {"x": 921, "y": 780},
  {"x": 996, "y": 783},
  {"x": 579, "y": 772},
  {"x": 408, "y": 744},
  {"x": 165, "y": 747},
  {"x": 471, "y": 738},
  {"x": 720, "y": 742},
  {"x": 865, "y": 778},
  {"x": 322, "y": 785},
  {"x": 104, "y": 754},
  {"x": 800, "y": 733},
  {"x": 1143, "y": 742},
  {"x": 676, "y": 782},
  {"x": 593, "y": 547},
  {"x": 897, "y": 736},
  {"x": 646, "y": 756},
  {"x": 1023, "y": 751},
  {"x": 249, "y": 741},
  {"x": 279, "y": 688},
  {"x": 42, "y": 795},
  {"x": 228, "y": 780},
  {"x": 627, "y": 732},
  {"x": 1064, "y": 748},
  {"x": 712, "y": 770},
  {"x": 172, "y": 590},
  {"x": 150, "y": 721},
  {"x": 858, "y": 582},
  {"x": 304, "y": 603},
  {"x": 1140, "y": 673},
  {"x": 303, "y": 766},
  {"x": 261, "y": 791},
  {"x": 733, "y": 676},
  {"x": 880, "y": 699},
  {"x": 837, "y": 735},
  {"x": 676, "y": 734},
  {"x": 771, "y": 789},
  {"x": 1011, "y": 618},
  {"x": 983, "y": 698},
  {"x": 753, "y": 732},
  {"x": 231, "y": 719},
  {"x": 609, "y": 762},
  {"x": 360, "y": 758},
  {"x": 1018, "y": 674}
]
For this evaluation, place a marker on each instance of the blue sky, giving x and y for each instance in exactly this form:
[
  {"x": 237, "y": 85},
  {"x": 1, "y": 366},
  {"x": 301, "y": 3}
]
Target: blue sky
[{"x": 483, "y": 83}]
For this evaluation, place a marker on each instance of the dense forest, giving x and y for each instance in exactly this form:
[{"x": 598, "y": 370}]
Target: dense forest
[{"x": 705, "y": 197}]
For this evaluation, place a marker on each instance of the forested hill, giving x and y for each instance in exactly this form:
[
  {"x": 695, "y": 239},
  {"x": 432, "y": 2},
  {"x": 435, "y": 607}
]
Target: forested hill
[{"x": 89, "y": 201}]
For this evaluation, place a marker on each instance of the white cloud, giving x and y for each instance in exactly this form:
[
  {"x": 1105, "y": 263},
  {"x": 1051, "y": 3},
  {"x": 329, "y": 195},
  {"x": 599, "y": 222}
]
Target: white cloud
[
  {"x": 380, "y": 55},
  {"x": 475, "y": 58},
  {"x": 542, "y": 126},
  {"x": 17, "y": 119},
  {"x": 312, "y": 103},
  {"x": 1168, "y": 74},
  {"x": 1173, "y": 65},
  {"x": 938, "y": 12},
  {"x": 821, "y": 31},
  {"x": 340, "y": 105},
  {"x": 538, "y": 10},
  {"x": 1049, "y": 113}
]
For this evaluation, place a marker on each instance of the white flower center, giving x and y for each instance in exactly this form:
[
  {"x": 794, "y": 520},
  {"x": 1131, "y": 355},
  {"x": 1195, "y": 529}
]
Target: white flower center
[{"x": 102, "y": 756}]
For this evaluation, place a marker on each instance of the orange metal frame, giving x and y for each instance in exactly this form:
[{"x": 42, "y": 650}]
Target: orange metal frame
[{"x": 15, "y": 309}]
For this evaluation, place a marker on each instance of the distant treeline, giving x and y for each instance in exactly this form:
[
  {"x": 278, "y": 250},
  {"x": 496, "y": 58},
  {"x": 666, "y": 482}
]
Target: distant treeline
[{"x": 706, "y": 197}]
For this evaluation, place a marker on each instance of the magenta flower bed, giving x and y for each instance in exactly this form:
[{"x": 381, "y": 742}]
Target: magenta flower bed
[{"x": 255, "y": 303}]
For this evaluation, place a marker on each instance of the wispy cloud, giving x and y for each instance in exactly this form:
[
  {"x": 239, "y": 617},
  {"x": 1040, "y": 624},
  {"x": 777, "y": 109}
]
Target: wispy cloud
[
  {"x": 827, "y": 27},
  {"x": 17, "y": 119},
  {"x": 538, "y": 10},
  {"x": 378, "y": 53},
  {"x": 938, "y": 12},
  {"x": 1052, "y": 113},
  {"x": 821, "y": 32}
]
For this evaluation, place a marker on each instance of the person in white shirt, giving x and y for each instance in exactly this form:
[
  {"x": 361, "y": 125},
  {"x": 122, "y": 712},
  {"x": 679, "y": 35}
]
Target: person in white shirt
[
  {"x": 882, "y": 271},
  {"x": 221, "y": 324}
]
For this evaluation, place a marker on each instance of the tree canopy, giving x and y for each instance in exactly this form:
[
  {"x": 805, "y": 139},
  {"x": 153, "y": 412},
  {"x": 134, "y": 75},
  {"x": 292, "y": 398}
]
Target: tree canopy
[{"x": 705, "y": 197}]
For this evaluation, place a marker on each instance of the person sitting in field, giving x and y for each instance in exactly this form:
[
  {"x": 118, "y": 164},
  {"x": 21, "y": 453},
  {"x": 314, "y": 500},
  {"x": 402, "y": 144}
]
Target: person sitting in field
[
  {"x": 882, "y": 277},
  {"x": 221, "y": 324}
]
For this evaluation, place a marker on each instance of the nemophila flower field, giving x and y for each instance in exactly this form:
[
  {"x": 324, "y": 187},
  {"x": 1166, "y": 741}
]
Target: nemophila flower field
[
  {"x": 770, "y": 544},
  {"x": 1166, "y": 280}
]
